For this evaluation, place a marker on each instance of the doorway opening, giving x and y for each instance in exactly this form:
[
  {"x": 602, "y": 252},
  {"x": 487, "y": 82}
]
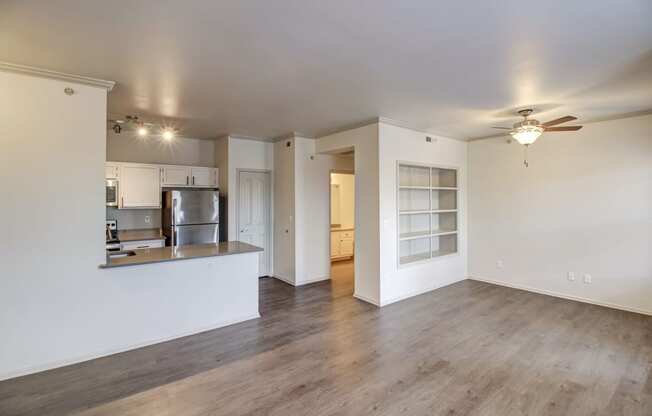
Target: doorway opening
[{"x": 342, "y": 230}]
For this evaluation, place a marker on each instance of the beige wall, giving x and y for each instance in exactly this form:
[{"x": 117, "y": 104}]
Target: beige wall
[
  {"x": 127, "y": 147},
  {"x": 584, "y": 205}
]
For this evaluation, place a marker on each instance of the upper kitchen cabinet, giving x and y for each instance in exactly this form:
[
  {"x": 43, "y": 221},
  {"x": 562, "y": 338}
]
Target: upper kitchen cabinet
[
  {"x": 176, "y": 176},
  {"x": 191, "y": 176},
  {"x": 111, "y": 171},
  {"x": 206, "y": 177},
  {"x": 140, "y": 186}
]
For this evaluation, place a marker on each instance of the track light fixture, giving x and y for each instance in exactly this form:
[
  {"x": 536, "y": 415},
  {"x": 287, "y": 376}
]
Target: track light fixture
[{"x": 142, "y": 129}]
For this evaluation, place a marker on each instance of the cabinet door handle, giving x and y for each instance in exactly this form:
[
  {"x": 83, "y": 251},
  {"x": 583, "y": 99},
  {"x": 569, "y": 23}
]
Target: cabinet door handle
[
  {"x": 187, "y": 180},
  {"x": 142, "y": 247},
  {"x": 193, "y": 179},
  {"x": 122, "y": 202}
]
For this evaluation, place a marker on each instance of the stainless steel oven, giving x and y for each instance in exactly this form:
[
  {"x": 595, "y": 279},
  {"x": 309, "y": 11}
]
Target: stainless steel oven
[{"x": 111, "y": 192}]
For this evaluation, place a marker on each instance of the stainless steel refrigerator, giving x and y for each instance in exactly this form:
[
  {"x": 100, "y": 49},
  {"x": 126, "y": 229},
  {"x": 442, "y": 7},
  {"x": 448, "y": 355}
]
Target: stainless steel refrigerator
[{"x": 191, "y": 217}]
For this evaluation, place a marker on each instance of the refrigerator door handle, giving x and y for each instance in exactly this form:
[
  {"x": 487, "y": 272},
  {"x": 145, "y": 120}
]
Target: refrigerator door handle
[{"x": 173, "y": 228}]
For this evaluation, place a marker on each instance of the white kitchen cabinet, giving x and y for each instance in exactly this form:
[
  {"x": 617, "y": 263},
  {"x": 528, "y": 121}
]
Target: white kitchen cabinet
[
  {"x": 140, "y": 245},
  {"x": 206, "y": 177},
  {"x": 111, "y": 170},
  {"x": 140, "y": 186},
  {"x": 342, "y": 244},
  {"x": 176, "y": 175}
]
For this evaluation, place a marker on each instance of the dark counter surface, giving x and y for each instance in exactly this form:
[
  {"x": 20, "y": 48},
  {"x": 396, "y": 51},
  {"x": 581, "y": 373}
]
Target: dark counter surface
[{"x": 164, "y": 254}]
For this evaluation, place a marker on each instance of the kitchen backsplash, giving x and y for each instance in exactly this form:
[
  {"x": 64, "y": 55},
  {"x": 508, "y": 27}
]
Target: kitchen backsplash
[{"x": 129, "y": 219}]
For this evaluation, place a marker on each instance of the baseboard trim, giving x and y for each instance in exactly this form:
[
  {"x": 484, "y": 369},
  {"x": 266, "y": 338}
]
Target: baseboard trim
[
  {"x": 418, "y": 292},
  {"x": 366, "y": 299},
  {"x": 315, "y": 280},
  {"x": 283, "y": 279},
  {"x": 562, "y": 295},
  {"x": 76, "y": 360}
]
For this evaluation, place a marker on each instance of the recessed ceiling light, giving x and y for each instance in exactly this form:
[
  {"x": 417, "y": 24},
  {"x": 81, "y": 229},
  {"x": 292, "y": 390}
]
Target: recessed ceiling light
[{"x": 142, "y": 131}]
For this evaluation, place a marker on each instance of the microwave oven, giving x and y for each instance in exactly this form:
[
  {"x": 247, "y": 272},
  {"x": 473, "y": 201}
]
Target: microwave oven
[{"x": 111, "y": 192}]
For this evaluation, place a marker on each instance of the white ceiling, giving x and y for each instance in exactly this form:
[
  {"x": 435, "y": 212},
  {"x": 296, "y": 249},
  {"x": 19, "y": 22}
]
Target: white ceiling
[{"x": 266, "y": 68}]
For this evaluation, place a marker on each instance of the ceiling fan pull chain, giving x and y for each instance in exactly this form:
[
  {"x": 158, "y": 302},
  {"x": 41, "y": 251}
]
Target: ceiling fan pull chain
[{"x": 525, "y": 162}]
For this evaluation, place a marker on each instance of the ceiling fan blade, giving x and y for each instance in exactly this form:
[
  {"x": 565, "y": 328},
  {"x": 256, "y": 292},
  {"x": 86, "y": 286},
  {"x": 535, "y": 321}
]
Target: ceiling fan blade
[
  {"x": 558, "y": 121},
  {"x": 563, "y": 128},
  {"x": 502, "y": 128}
]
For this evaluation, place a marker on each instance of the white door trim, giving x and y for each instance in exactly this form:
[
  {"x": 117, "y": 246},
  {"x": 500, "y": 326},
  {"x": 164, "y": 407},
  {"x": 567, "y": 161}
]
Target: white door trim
[{"x": 268, "y": 215}]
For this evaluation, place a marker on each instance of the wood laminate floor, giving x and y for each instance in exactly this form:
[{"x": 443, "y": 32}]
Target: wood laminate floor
[{"x": 467, "y": 349}]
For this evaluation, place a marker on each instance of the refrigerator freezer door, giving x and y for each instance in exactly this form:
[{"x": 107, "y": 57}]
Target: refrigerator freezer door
[
  {"x": 196, "y": 234},
  {"x": 195, "y": 207}
]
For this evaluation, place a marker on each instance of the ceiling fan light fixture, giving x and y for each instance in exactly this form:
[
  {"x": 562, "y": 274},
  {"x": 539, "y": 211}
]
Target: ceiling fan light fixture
[{"x": 526, "y": 135}]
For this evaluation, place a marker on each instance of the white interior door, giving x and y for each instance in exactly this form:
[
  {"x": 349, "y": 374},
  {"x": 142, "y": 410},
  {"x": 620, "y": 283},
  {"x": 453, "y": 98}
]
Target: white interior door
[{"x": 254, "y": 213}]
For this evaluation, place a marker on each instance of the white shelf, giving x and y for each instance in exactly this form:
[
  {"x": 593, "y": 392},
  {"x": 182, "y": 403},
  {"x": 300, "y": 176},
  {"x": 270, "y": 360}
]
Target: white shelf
[
  {"x": 428, "y": 201},
  {"x": 417, "y": 211},
  {"x": 436, "y": 233},
  {"x": 426, "y": 211},
  {"x": 415, "y": 235},
  {"x": 434, "y": 188},
  {"x": 439, "y": 253},
  {"x": 425, "y": 234},
  {"x": 425, "y": 188},
  {"x": 414, "y": 258}
]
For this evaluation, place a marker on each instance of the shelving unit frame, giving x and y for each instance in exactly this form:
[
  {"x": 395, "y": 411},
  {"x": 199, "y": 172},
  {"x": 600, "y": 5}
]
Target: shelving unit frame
[{"x": 416, "y": 242}]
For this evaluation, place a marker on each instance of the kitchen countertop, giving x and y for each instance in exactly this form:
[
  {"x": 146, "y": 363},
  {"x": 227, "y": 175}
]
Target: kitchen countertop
[
  {"x": 140, "y": 234},
  {"x": 164, "y": 254}
]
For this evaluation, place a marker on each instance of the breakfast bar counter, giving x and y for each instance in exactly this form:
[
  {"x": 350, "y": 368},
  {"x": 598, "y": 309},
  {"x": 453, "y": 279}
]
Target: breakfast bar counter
[{"x": 165, "y": 254}]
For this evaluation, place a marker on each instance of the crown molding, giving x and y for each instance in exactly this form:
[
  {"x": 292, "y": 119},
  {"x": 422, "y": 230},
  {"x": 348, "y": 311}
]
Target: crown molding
[
  {"x": 46, "y": 73},
  {"x": 291, "y": 135},
  {"x": 406, "y": 125},
  {"x": 255, "y": 139},
  {"x": 347, "y": 127},
  {"x": 385, "y": 120}
]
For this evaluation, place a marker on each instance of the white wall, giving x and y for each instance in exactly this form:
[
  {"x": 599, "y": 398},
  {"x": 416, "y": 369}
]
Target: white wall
[
  {"x": 302, "y": 233},
  {"x": 128, "y": 147},
  {"x": 245, "y": 154},
  {"x": 401, "y": 144},
  {"x": 231, "y": 155},
  {"x": 312, "y": 221},
  {"x": 364, "y": 140},
  {"x": 284, "y": 258},
  {"x": 584, "y": 205},
  {"x": 346, "y": 207},
  {"x": 56, "y": 305}
]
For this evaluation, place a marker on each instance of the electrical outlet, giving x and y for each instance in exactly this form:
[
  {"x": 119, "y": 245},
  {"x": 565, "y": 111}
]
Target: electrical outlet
[
  {"x": 587, "y": 278},
  {"x": 499, "y": 264},
  {"x": 148, "y": 219},
  {"x": 571, "y": 276}
]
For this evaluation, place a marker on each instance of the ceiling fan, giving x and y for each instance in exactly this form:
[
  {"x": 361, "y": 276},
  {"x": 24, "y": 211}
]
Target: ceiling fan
[{"x": 528, "y": 130}]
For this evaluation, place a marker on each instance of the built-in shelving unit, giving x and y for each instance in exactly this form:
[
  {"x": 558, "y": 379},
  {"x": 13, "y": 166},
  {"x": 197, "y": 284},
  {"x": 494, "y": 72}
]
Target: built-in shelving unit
[{"x": 427, "y": 212}]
